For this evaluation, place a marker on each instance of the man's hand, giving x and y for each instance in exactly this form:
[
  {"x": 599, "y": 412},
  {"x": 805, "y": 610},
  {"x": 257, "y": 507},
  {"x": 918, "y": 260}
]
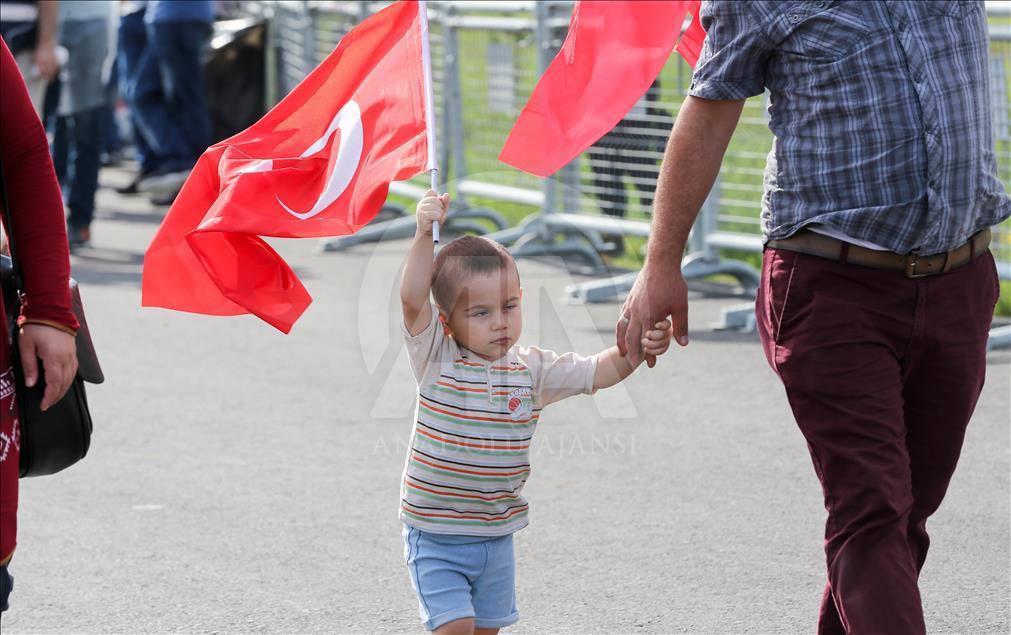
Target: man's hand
[
  {"x": 432, "y": 208},
  {"x": 45, "y": 60},
  {"x": 58, "y": 352},
  {"x": 656, "y": 295}
]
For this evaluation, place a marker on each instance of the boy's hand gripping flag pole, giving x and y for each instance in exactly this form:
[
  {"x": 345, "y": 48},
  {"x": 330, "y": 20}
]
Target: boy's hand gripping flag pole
[
  {"x": 318, "y": 164},
  {"x": 612, "y": 53},
  {"x": 426, "y": 56}
]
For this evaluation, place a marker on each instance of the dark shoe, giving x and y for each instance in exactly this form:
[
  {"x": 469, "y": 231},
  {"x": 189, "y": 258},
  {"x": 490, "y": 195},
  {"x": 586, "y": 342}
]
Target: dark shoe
[
  {"x": 164, "y": 199},
  {"x": 133, "y": 187},
  {"x": 6, "y": 584},
  {"x": 163, "y": 182},
  {"x": 78, "y": 237}
]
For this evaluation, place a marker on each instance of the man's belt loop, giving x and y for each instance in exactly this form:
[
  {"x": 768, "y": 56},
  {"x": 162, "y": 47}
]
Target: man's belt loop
[
  {"x": 844, "y": 252},
  {"x": 972, "y": 248},
  {"x": 947, "y": 260}
]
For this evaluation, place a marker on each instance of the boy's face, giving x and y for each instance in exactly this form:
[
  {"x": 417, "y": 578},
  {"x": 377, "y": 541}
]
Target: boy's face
[{"x": 486, "y": 318}]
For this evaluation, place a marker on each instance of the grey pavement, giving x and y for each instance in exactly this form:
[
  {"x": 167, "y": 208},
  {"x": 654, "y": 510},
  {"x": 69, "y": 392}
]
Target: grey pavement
[{"x": 241, "y": 480}]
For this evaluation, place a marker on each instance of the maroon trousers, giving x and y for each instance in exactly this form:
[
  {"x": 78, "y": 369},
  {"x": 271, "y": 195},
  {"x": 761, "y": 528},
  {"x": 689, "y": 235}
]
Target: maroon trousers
[{"x": 882, "y": 373}]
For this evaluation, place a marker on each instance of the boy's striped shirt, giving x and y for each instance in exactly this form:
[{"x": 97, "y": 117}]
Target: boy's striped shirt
[{"x": 474, "y": 422}]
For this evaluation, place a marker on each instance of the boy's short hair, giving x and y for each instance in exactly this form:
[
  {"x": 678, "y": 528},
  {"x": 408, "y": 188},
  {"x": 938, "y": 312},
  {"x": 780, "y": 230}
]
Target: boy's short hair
[{"x": 463, "y": 257}]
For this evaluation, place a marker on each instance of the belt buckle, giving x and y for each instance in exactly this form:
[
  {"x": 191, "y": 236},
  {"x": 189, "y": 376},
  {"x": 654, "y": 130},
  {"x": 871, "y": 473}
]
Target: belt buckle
[{"x": 910, "y": 271}]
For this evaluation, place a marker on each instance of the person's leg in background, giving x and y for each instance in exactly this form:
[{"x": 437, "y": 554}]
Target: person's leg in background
[
  {"x": 177, "y": 48},
  {"x": 180, "y": 48},
  {"x": 60, "y": 146},
  {"x": 57, "y": 127},
  {"x": 83, "y": 96},
  {"x": 152, "y": 116},
  {"x": 610, "y": 190},
  {"x": 85, "y": 161},
  {"x": 112, "y": 145},
  {"x": 643, "y": 173},
  {"x": 132, "y": 45},
  {"x": 835, "y": 334}
]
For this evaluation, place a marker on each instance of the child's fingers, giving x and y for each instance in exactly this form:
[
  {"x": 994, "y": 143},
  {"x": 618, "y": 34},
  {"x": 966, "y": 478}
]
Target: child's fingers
[
  {"x": 654, "y": 343},
  {"x": 430, "y": 213},
  {"x": 656, "y": 349},
  {"x": 656, "y": 335}
]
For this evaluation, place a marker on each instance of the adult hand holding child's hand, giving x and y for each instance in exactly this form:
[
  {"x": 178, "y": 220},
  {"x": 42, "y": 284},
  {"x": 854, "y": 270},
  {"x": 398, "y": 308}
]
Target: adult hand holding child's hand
[
  {"x": 658, "y": 293},
  {"x": 431, "y": 209}
]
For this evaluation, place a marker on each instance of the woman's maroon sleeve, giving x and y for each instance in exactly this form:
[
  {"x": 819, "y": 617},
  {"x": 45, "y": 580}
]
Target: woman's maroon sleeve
[{"x": 40, "y": 232}]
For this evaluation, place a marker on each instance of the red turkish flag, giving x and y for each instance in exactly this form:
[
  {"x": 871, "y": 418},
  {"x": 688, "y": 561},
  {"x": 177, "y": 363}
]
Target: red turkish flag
[
  {"x": 611, "y": 55},
  {"x": 318, "y": 164}
]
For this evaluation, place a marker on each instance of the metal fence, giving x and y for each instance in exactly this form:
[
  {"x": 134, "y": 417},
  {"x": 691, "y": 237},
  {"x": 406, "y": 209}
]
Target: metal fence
[{"x": 487, "y": 57}]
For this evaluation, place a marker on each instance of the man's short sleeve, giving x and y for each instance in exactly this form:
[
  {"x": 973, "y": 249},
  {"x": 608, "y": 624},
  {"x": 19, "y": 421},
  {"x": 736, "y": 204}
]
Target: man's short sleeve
[
  {"x": 734, "y": 54},
  {"x": 556, "y": 377},
  {"x": 425, "y": 348}
]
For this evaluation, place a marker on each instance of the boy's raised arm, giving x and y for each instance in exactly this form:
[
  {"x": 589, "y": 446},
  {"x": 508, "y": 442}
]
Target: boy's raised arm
[{"x": 416, "y": 284}]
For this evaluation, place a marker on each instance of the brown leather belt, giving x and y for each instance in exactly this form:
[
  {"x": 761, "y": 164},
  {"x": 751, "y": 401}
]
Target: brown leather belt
[{"x": 914, "y": 266}]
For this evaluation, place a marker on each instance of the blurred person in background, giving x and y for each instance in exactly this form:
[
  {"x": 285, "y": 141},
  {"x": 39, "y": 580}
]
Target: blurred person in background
[
  {"x": 167, "y": 93},
  {"x": 28, "y": 27},
  {"x": 84, "y": 28},
  {"x": 632, "y": 149},
  {"x": 47, "y": 325},
  {"x": 111, "y": 142},
  {"x": 132, "y": 46}
]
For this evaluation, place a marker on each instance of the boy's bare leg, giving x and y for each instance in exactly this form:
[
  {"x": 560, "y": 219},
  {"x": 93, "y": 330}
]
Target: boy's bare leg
[{"x": 463, "y": 627}]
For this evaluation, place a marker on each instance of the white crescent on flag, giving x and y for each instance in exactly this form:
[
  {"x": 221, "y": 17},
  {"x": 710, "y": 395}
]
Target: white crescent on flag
[{"x": 349, "y": 154}]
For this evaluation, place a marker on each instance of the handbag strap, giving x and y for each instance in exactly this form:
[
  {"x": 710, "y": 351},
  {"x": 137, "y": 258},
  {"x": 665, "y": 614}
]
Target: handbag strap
[{"x": 9, "y": 222}]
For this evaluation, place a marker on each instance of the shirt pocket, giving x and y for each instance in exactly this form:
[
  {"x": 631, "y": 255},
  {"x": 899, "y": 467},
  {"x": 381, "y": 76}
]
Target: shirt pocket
[{"x": 825, "y": 30}]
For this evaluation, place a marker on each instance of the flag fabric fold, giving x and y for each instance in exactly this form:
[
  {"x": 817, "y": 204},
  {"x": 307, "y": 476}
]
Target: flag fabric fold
[
  {"x": 690, "y": 46},
  {"x": 318, "y": 164},
  {"x": 612, "y": 53}
]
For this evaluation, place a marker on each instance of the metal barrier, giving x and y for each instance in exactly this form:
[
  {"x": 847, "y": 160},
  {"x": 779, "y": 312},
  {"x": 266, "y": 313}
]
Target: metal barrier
[{"x": 487, "y": 57}]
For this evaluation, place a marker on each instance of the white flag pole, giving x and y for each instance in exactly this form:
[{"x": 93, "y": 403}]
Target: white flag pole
[{"x": 426, "y": 57}]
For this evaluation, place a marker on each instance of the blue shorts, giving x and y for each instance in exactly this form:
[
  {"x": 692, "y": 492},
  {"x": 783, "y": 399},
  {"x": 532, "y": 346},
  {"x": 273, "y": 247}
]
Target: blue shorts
[{"x": 457, "y": 577}]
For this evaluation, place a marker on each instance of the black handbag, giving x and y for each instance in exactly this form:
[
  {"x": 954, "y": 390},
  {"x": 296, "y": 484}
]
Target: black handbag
[{"x": 59, "y": 437}]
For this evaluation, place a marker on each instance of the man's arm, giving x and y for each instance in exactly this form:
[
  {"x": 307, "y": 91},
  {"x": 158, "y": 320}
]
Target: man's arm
[
  {"x": 691, "y": 162},
  {"x": 417, "y": 281},
  {"x": 45, "y": 45}
]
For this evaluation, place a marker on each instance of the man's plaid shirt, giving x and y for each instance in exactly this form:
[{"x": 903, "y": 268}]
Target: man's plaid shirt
[{"x": 880, "y": 110}]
